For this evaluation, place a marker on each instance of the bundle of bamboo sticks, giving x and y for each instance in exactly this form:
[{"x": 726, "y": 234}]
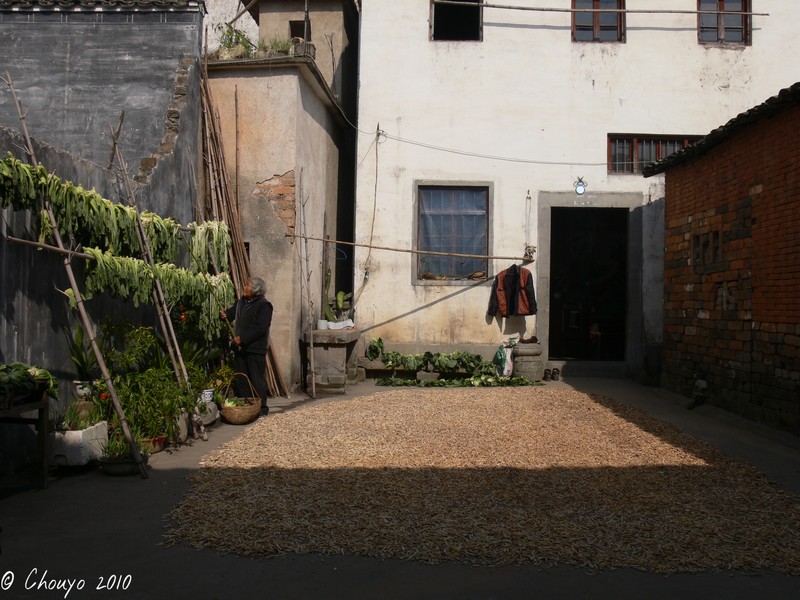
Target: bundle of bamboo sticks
[{"x": 221, "y": 205}]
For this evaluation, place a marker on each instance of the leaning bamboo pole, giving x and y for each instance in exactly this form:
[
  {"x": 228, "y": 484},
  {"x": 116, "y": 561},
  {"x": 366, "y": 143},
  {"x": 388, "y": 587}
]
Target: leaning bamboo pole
[
  {"x": 159, "y": 299},
  {"x": 87, "y": 323}
]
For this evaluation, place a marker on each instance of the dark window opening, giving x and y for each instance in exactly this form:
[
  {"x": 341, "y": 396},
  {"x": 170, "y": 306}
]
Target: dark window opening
[
  {"x": 632, "y": 153},
  {"x": 723, "y": 22},
  {"x": 707, "y": 251},
  {"x": 595, "y": 25},
  {"x": 457, "y": 22},
  {"x": 452, "y": 220},
  {"x": 297, "y": 29}
]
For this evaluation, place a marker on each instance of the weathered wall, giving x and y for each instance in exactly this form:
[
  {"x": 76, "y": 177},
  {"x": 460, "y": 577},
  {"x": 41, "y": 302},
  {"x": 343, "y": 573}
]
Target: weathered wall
[
  {"x": 732, "y": 274},
  {"x": 287, "y": 165},
  {"x": 74, "y": 72},
  {"x": 529, "y": 111},
  {"x": 328, "y": 33}
]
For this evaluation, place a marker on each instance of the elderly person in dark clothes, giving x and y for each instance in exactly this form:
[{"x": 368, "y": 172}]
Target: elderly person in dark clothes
[{"x": 251, "y": 317}]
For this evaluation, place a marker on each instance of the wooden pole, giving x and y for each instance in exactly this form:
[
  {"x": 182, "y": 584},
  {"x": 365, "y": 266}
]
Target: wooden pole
[
  {"x": 410, "y": 251},
  {"x": 87, "y": 324}
]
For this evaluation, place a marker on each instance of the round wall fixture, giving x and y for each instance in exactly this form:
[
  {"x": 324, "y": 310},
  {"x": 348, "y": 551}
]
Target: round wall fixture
[{"x": 580, "y": 186}]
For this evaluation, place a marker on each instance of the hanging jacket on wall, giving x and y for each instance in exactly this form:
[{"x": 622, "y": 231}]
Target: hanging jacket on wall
[{"x": 512, "y": 293}]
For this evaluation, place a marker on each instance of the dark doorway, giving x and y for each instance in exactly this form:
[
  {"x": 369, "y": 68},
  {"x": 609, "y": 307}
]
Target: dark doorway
[{"x": 588, "y": 283}]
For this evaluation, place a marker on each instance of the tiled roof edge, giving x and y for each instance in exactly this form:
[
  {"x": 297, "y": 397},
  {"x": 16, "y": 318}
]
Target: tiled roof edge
[{"x": 785, "y": 97}]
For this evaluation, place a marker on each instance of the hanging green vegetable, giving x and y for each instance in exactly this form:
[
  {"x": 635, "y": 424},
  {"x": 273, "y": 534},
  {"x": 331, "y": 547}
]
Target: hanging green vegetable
[
  {"x": 209, "y": 247},
  {"x": 91, "y": 219},
  {"x": 108, "y": 232}
]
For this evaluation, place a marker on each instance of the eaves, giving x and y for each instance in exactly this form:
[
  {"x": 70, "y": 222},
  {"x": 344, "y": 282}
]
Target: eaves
[
  {"x": 786, "y": 97},
  {"x": 94, "y": 5},
  {"x": 304, "y": 64}
]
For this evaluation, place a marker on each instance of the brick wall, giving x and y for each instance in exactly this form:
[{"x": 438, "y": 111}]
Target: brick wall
[{"x": 732, "y": 273}]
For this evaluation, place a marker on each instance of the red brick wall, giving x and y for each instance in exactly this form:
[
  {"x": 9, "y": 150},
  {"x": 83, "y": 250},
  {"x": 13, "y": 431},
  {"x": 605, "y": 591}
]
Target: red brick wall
[{"x": 732, "y": 273}]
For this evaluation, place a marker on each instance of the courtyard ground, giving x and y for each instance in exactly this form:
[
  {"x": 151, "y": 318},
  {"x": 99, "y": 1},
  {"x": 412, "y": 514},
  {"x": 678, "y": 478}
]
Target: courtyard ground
[{"x": 87, "y": 529}]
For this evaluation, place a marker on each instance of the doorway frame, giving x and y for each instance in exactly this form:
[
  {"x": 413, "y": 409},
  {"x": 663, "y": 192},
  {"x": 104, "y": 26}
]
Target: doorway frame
[{"x": 634, "y": 346}]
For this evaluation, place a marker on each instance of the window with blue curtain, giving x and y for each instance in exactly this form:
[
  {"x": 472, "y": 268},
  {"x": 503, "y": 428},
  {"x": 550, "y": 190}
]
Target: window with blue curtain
[{"x": 453, "y": 220}]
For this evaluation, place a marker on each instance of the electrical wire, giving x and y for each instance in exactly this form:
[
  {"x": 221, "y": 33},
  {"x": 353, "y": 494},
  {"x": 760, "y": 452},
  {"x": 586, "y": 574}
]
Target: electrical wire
[{"x": 492, "y": 156}]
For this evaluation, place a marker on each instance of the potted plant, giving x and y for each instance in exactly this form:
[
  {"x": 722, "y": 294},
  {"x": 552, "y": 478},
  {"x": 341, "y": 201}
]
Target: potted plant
[
  {"x": 152, "y": 400},
  {"x": 233, "y": 43},
  {"x": 338, "y": 307},
  {"x": 83, "y": 359},
  {"x": 116, "y": 457}
]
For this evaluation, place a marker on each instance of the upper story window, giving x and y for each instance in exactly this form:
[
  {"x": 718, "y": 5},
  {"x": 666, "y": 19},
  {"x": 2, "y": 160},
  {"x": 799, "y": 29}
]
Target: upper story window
[
  {"x": 299, "y": 29},
  {"x": 632, "y": 153},
  {"x": 452, "y": 219},
  {"x": 591, "y": 24},
  {"x": 456, "y": 20},
  {"x": 728, "y": 22}
]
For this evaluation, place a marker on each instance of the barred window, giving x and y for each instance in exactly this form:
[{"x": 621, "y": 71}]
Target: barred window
[
  {"x": 591, "y": 26},
  {"x": 724, "y": 22},
  {"x": 632, "y": 153}
]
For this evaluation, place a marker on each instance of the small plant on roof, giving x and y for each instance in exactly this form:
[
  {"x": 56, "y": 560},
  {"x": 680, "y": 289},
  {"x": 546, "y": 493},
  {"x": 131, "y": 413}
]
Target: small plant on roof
[
  {"x": 231, "y": 37},
  {"x": 281, "y": 47}
]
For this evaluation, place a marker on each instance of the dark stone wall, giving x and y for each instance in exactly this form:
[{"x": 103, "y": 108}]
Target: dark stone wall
[{"x": 74, "y": 73}]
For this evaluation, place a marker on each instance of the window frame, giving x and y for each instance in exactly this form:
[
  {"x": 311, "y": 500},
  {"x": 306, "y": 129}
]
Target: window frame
[
  {"x": 432, "y": 22},
  {"x": 418, "y": 186},
  {"x": 597, "y": 26},
  {"x": 299, "y": 23},
  {"x": 635, "y": 140},
  {"x": 745, "y": 25}
]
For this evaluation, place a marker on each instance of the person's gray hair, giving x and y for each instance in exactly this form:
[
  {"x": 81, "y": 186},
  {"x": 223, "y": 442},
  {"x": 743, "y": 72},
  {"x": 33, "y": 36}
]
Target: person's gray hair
[{"x": 259, "y": 287}]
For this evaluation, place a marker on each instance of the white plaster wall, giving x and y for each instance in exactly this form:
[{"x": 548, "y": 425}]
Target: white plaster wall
[
  {"x": 527, "y": 93},
  {"x": 221, "y": 12}
]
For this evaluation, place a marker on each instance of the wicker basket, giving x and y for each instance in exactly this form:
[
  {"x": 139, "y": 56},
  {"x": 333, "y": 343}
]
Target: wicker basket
[{"x": 240, "y": 415}]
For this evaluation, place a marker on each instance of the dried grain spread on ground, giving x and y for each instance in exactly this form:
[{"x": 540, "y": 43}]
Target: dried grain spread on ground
[{"x": 488, "y": 477}]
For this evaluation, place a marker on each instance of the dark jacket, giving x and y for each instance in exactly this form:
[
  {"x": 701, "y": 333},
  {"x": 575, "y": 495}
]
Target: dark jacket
[
  {"x": 512, "y": 293},
  {"x": 251, "y": 318}
]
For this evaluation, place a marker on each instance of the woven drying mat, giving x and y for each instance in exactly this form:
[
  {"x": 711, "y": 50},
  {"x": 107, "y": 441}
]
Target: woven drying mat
[{"x": 488, "y": 477}]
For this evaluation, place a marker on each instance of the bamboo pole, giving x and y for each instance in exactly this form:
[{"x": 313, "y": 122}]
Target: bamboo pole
[
  {"x": 87, "y": 324},
  {"x": 410, "y": 251},
  {"x": 56, "y": 249},
  {"x": 310, "y": 307},
  {"x": 236, "y": 159},
  {"x": 649, "y": 11}
]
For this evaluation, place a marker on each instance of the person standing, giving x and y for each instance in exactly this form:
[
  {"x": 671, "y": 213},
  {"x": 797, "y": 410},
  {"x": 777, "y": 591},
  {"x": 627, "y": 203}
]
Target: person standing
[{"x": 251, "y": 317}]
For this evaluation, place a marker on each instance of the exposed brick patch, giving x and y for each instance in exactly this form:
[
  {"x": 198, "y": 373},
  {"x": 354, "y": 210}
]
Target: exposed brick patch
[
  {"x": 732, "y": 273},
  {"x": 279, "y": 191}
]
